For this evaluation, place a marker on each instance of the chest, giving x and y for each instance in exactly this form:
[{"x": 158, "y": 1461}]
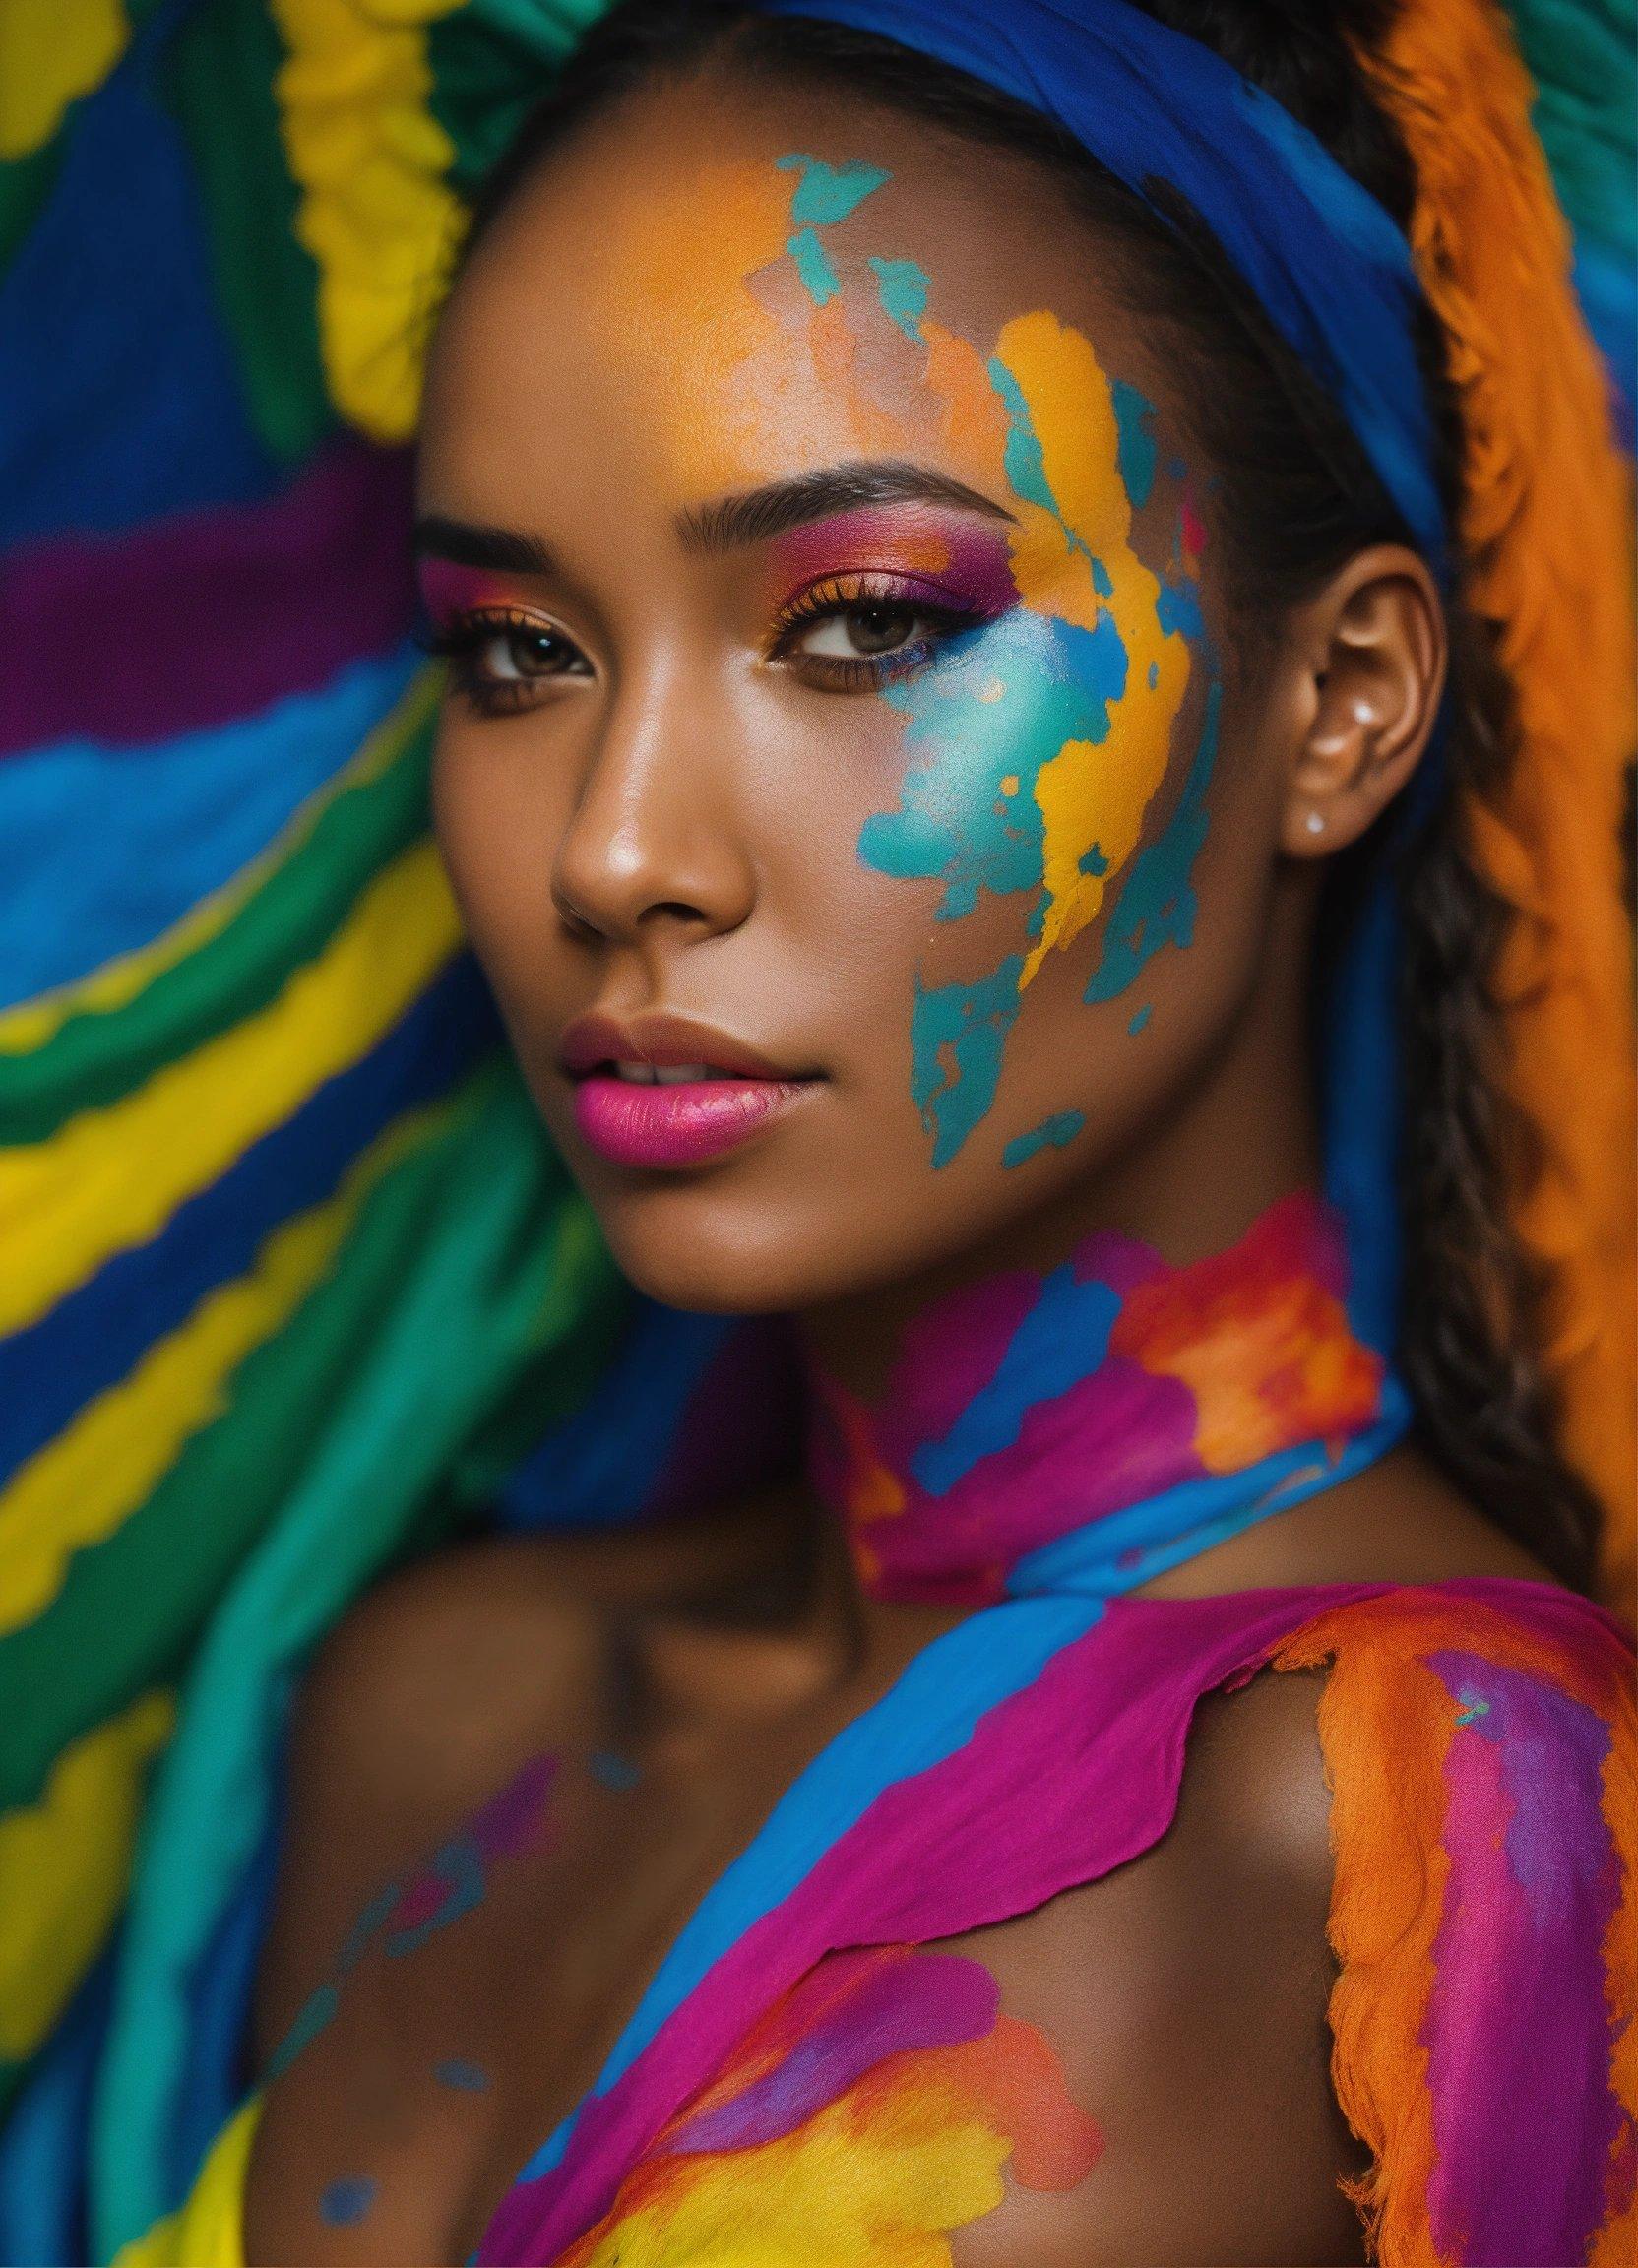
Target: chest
[{"x": 472, "y": 1999}]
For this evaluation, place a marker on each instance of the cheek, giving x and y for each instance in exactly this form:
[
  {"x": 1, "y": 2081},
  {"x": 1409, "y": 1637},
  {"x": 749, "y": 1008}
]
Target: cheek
[{"x": 498, "y": 826}]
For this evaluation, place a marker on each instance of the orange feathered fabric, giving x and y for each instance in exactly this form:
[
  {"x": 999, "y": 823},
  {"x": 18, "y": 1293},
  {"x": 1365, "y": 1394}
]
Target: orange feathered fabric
[
  {"x": 1483, "y": 1773},
  {"x": 1545, "y": 530}
]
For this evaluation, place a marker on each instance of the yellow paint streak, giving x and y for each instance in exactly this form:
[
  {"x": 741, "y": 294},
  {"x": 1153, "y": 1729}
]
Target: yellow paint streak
[
  {"x": 64, "y": 1865},
  {"x": 83, "y": 1484},
  {"x": 51, "y": 52},
  {"x": 877, "y": 2191},
  {"x": 1089, "y": 793},
  {"x": 118, "y": 982},
  {"x": 110, "y": 1179}
]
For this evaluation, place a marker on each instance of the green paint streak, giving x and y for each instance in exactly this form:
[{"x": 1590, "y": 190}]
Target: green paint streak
[
  {"x": 1134, "y": 417},
  {"x": 819, "y": 278},
  {"x": 958, "y": 1034},
  {"x": 905, "y": 290},
  {"x": 827, "y": 193},
  {"x": 1054, "y": 1133}
]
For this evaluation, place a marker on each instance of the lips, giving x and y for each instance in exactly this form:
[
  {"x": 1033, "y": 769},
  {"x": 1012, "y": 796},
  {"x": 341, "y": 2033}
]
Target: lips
[{"x": 661, "y": 1091}]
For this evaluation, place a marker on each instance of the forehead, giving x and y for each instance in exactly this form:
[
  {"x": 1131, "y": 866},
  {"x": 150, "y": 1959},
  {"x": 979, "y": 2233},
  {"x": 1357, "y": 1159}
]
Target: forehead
[{"x": 715, "y": 288}]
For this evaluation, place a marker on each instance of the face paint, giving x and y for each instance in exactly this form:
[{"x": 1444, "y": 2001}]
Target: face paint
[
  {"x": 1054, "y": 1133},
  {"x": 874, "y": 2109},
  {"x": 1037, "y": 742},
  {"x": 467, "y": 2078}
]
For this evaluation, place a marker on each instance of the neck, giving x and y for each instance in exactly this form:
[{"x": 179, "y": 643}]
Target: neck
[{"x": 1099, "y": 1418}]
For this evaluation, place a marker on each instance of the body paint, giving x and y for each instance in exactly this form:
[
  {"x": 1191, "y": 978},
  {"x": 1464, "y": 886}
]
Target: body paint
[
  {"x": 1022, "y": 1408},
  {"x": 406, "y": 1913},
  {"x": 345, "y": 2202},
  {"x": 873, "y": 2111},
  {"x": 465, "y": 2076}
]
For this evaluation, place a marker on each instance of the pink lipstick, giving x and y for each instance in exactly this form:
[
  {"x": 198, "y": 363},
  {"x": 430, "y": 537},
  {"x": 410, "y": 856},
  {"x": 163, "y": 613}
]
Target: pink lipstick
[{"x": 661, "y": 1093}]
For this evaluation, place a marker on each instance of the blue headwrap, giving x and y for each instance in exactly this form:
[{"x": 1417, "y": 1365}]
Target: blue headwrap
[
  {"x": 1330, "y": 267},
  {"x": 1333, "y": 273}
]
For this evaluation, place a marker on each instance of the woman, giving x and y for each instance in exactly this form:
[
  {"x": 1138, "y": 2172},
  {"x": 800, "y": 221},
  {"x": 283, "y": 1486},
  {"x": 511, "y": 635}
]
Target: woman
[{"x": 990, "y": 632}]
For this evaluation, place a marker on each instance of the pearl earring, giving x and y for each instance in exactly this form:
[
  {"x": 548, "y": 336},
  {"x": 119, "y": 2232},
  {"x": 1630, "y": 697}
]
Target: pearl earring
[{"x": 1314, "y": 823}]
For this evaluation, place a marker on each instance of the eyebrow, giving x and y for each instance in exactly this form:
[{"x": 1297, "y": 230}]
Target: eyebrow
[
  {"x": 468, "y": 544},
  {"x": 760, "y": 514},
  {"x": 729, "y": 523}
]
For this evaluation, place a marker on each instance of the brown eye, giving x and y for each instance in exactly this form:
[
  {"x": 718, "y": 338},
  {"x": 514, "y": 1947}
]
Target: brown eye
[
  {"x": 859, "y": 632},
  {"x": 524, "y": 652}
]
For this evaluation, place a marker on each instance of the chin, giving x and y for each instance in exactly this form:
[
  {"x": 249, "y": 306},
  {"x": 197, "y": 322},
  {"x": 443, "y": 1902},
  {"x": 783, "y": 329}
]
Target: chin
[{"x": 689, "y": 1247}]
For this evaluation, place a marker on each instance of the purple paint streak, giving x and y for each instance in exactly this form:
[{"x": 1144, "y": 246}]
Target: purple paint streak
[
  {"x": 194, "y": 620},
  {"x": 1517, "y": 2029},
  {"x": 851, "y": 2013}
]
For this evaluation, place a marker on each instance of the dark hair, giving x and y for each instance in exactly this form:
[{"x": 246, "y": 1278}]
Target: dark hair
[{"x": 1295, "y": 497}]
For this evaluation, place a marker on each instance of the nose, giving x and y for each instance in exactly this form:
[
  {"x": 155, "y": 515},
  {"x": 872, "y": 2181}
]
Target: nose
[{"x": 653, "y": 847}]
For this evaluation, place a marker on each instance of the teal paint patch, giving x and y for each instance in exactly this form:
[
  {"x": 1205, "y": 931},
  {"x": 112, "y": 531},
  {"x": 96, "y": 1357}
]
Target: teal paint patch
[
  {"x": 819, "y": 278},
  {"x": 1140, "y": 1022},
  {"x": 827, "y": 193},
  {"x": 903, "y": 288},
  {"x": 465, "y": 2076},
  {"x": 1054, "y": 1133},
  {"x": 1094, "y": 862},
  {"x": 957, "y": 1036},
  {"x": 1154, "y": 675},
  {"x": 1472, "y": 1708},
  {"x": 316, "y": 2011},
  {"x": 1157, "y": 903},
  {"x": 1135, "y": 446},
  {"x": 995, "y": 703}
]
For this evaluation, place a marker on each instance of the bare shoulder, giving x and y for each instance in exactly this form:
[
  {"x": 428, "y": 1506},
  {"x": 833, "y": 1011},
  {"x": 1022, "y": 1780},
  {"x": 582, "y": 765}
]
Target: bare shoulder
[
  {"x": 1185, "y": 1998},
  {"x": 441, "y": 1681}
]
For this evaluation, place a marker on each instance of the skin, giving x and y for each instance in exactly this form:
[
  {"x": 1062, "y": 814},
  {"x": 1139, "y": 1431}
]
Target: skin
[{"x": 700, "y": 812}]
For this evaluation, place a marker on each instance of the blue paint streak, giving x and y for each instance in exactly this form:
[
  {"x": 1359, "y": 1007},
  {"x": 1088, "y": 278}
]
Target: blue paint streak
[
  {"x": 460, "y": 1863},
  {"x": 1135, "y": 447},
  {"x": 827, "y": 193},
  {"x": 1054, "y": 1133},
  {"x": 1140, "y": 1022},
  {"x": 1063, "y": 1337},
  {"x": 469, "y": 2078}
]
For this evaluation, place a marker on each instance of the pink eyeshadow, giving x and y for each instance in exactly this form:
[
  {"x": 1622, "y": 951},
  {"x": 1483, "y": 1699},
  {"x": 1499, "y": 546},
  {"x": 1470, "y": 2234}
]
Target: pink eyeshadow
[
  {"x": 968, "y": 564},
  {"x": 448, "y": 589}
]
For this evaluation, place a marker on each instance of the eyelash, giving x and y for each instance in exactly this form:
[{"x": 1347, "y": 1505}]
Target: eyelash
[
  {"x": 838, "y": 595},
  {"x": 461, "y": 641}
]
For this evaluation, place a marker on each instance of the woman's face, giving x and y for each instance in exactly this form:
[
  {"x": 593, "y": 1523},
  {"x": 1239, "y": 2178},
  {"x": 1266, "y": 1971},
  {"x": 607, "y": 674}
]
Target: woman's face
[{"x": 837, "y": 698}]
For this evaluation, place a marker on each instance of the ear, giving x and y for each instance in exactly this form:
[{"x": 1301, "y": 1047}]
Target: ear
[{"x": 1372, "y": 651}]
